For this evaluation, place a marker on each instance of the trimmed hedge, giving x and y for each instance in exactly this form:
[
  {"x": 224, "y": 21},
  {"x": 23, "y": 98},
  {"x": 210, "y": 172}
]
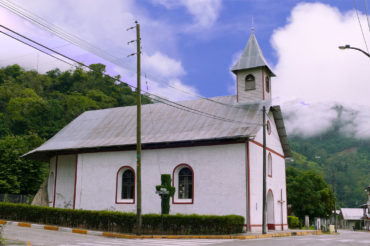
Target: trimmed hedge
[
  {"x": 123, "y": 222},
  {"x": 293, "y": 222}
]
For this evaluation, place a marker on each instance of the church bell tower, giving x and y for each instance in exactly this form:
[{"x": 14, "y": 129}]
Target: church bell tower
[{"x": 253, "y": 75}]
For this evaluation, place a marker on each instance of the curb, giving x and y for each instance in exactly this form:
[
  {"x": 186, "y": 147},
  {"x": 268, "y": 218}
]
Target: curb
[{"x": 131, "y": 236}]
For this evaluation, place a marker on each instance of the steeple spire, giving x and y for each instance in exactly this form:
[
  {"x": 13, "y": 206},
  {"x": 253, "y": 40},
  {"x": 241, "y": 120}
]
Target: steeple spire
[
  {"x": 251, "y": 57},
  {"x": 252, "y": 27}
]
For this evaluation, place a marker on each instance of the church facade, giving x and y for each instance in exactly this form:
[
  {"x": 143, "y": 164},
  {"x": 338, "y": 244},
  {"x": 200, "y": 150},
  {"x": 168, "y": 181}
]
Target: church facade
[{"x": 213, "y": 151}]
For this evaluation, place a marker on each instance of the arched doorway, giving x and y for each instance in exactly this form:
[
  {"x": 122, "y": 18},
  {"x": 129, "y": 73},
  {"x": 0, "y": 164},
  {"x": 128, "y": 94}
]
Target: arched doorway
[{"x": 270, "y": 211}]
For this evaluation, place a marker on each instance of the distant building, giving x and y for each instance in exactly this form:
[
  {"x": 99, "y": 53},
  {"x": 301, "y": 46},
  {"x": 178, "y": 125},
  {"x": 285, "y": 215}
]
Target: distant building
[
  {"x": 213, "y": 154},
  {"x": 350, "y": 216},
  {"x": 366, "y": 209}
]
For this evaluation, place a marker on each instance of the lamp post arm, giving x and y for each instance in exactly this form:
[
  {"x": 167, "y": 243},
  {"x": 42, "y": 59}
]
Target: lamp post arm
[{"x": 367, "y": 54}]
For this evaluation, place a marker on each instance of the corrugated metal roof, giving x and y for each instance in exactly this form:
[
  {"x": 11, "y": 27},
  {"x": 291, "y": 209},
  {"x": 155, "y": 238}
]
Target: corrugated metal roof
[
  {"x": 160, "y": 123},
  {"x": 251, "y": 57},
  {"x": 352, "y": 213}
]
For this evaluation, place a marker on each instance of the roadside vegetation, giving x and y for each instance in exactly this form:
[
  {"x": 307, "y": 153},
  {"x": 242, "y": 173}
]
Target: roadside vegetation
[{"x": 114, "y": 221}]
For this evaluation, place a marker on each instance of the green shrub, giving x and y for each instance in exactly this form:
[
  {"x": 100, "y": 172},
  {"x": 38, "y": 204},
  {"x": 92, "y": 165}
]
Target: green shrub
[
  {"x": 123, "y": 222},
  {"x": 165, "y": 199},
  {"x": 293, "y": 222},
  {"x": 2, "y": 241}
]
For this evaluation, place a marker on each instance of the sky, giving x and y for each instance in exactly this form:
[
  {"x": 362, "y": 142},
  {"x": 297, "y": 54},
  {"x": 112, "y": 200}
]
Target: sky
[{"x": 190, "y": 45}]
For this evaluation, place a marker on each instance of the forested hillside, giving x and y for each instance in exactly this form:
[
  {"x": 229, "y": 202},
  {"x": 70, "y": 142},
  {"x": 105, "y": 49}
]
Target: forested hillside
[
  {"x": 33, "y": 107},
  {"x": 333, "y": 153}
]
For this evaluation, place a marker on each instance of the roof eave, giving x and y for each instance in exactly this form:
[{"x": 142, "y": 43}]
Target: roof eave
[
  {"x": 279, "y": 121},
  {"x": 47, "y": 154},
  {"x": 243, "y": 69}
]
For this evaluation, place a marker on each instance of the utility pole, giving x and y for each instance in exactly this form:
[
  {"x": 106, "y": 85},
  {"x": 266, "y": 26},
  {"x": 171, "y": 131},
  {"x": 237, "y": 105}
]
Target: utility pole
[
  {"x": 264, "y": 171},
  {"x": 138, "y": 130},
  {"x": 138, "y": 126},
  {"x": 335, "y": 206}
]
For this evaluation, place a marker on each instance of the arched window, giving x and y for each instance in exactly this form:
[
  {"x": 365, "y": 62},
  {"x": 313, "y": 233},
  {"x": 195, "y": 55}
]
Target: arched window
[
  {"x": 267, "y": 84},
  {"x": 125, "y": 189},
  {"x": 128, "y": 181},
  {"x": 269, "y": 165},
  {"x": 185, "y": 183},
  {"x": 183, "y": 180},
  {"x": 250, "y": 82}
]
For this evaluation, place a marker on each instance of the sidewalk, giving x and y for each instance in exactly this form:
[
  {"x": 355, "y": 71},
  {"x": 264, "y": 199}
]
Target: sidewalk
[{"x": 241, "y": 236}]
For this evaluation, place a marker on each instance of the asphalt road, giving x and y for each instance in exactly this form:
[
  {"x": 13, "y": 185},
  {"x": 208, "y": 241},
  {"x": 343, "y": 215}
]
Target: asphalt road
[{"x": 35, "y": 237}]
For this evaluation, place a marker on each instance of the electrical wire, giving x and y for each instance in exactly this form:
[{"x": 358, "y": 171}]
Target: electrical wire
[
  {"x": 362, "y": 31},
  {"x": 89, "y": 47},
  {"x": 162, "y": 100},
  {"x": 36, "y": 48}
]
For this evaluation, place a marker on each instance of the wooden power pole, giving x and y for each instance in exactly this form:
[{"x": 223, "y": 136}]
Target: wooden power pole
[
  {"x": 264, "y": 172},
  {"x": 138, "y": 130}
]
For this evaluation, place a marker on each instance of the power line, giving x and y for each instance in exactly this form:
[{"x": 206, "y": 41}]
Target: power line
[
  {"x": 36, "y": 48},
  {"x": 90, "y": 47},
  {"x": 162, "y": 100},
  {"x": 362, "y": 31}
]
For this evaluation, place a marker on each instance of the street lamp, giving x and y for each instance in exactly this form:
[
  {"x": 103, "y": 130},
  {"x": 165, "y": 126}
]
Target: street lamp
[{"x": 347, "y": 46}]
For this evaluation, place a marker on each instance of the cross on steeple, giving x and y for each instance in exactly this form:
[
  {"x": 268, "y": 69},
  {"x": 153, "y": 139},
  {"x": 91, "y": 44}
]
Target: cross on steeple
[{"x": 252, "y": 27}]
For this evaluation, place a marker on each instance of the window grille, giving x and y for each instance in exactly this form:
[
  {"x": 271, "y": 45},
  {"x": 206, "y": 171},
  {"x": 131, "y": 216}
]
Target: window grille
[
  {"x": 128, "y": 182},
  {"x": 185, "y": 184}
]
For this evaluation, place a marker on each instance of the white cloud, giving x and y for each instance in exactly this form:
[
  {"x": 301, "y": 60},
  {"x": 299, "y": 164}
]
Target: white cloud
[
  {"x": 313, "y": 75},
  {"x": 162, "y": 66},
  {"x": 309, "y": 120},
  {"x": 205, "y": 12},
  {"x": 310, "y": 65},
  {"x": 13, "y": 51},
  {"x": 171, "y": 89}
]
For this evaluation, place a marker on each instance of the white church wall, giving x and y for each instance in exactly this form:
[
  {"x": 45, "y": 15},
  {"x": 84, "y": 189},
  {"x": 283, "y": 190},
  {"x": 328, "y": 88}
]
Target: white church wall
[
  {"x": 276, "y": 183},
  {"x": 65, "y": 179},
  {"x": 255, "y": 169},
  {"x": 219, "y": 179}
]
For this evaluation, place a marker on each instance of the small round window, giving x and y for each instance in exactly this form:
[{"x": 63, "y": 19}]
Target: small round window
[{"x": 268, "y": 127}]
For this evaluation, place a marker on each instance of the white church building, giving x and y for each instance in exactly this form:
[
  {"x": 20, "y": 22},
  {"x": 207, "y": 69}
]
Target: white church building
[{"x": 214, "y": 154}]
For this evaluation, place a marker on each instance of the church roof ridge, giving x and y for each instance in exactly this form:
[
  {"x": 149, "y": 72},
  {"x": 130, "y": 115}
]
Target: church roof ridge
[{"x": 251, "y": 57}]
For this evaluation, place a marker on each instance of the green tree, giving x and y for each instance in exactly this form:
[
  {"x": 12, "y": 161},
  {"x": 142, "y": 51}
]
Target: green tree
[
  {"x": 26, "y": 112},
  {"x": 18, "y": 175},
  {"x": 308, "y": 194}
]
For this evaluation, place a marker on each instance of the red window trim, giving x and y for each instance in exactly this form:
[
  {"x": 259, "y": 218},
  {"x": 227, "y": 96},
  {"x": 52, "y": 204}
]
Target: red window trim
[
  {"x": 133, "y": 200},
  {"x": 173, "y": 183},
  {"x": 268, "y": 165}
]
